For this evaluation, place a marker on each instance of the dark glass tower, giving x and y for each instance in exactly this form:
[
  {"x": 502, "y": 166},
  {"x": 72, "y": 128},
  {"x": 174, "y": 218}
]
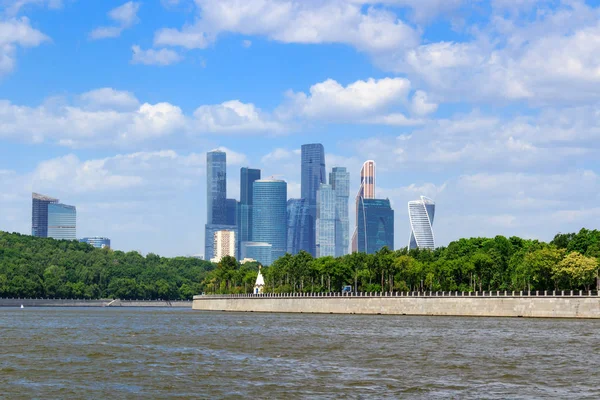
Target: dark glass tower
[
  {"x": 297, "y": 226},
  {"x": 216, "y": 187},
  {"x": 39, "y": 214},
  {"x": 218, "y": 215},
  {"x": 247, "y": 178},
  {"x": 312, "y": 176},
  {"x": 339, "y": 179},
  {"x": 375, "y": 225},
  {"x": 269, "y": 215}
]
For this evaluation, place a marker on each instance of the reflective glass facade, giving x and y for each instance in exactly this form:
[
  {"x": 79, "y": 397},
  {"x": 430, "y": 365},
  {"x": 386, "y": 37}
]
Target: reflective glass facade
[
  {"x": 313, "y": 174},
  {"x": 62, "y": 221},
  {"x": 375, "y": 225},
  {"x": 421, "y": 214},
  {"x": 247, "y": 178},
  {"x": 325, "y": 221},
  {"x": 269, "y": 214},
  {"x": 365, "y": 191},
  {"x": 261, "y": 252},
  {"x": 97, "y": 242},
  {"x": 232, "y": 211},
  {"x": 339, "y": 179},
  {"x": 39, "y": 214},
  {"x": 298, "y": 225},
  {"x": 216, "y": 199},
  {"x": 216, "y": 187}
]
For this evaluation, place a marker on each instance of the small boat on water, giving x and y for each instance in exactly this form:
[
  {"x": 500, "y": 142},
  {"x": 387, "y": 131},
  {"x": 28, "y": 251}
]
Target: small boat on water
[{"x": 22, "y": 306}]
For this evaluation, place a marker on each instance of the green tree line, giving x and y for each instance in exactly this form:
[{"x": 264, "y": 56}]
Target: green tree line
[
  {"x": 37, "y": 267},
  {"x": 568, "y": 262}
]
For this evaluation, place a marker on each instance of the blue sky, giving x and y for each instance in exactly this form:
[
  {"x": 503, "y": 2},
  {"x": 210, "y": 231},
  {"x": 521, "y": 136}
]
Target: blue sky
[{"x": 488, "y": 107}]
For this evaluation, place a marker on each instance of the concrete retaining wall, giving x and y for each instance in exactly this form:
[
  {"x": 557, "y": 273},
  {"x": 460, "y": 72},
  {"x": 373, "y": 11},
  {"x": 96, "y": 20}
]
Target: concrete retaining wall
[{"x": 534, "y": 307}]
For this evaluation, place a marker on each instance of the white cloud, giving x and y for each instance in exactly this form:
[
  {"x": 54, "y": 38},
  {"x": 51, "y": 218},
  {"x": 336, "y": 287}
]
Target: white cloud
[
  {"x": 108, "y": 117},
  {"x": 124, "y": 16},
  {"x": 421, "y": 105},
  {"x": 109, "y": 98},
  {"x": 154, "y": 57},
  {"x": 246, "y": 43},
  {"x": 371, "y": 102},
  {"x": 234, "y": 116},
  {"x": 294, "y": 21},
  {"x": 14, "y": 7},
  {"x": 16, "y": 32}
]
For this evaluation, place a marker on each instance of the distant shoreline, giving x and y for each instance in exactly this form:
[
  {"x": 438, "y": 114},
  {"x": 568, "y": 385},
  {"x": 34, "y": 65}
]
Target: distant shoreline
[{"x": 4, "y": 302}]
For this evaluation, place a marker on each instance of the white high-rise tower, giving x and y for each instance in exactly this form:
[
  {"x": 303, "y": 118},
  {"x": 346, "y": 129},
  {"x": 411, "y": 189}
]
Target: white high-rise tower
[{"x": 420, "y": 214}]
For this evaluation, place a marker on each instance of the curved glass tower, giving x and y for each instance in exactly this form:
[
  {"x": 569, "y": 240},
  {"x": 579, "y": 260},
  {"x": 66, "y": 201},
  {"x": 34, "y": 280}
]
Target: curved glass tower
[
  {"x": 269, "y": 215},
  {"x": 420, "y": 214}
]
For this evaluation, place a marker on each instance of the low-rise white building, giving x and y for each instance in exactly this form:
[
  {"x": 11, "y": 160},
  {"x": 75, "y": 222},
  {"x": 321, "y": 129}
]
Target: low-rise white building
[{"x": 224, "y": 245}]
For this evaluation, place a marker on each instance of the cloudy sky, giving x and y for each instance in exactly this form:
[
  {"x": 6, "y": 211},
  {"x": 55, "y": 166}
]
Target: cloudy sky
[{"x": 489, "y": 107}]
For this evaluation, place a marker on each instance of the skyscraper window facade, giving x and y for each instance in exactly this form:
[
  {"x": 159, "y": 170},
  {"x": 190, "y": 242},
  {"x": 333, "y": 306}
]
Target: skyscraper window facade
[
  {"x": 313, "y": 174},
  {"x": 62, "y": 221},
  {"x": 375, "y": 226},
  {"x": 269, "y": 215},
  {"x": 365, "y": 191},
  {"x": 325, "y": 232},
  {"x": 217, "y": 215},
  {"x": 421, "y": 213},
  {"x": 298, "y": 224},
  {"x": 339, "y": 179},
  {"x": 52, "y": 219},
  {"x": 261, "y": 252},
  {"x": 39, "y": 214},
  {"x": 224, "y": 245},
  {"x": 216, "y": 190},
  {"x": 247, "y": 178}
]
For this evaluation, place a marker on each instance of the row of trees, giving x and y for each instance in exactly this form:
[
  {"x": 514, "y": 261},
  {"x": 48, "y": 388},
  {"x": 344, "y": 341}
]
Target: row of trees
[
  {"x": 570, "y": 261},
  {"x": 35, "y": 267}
]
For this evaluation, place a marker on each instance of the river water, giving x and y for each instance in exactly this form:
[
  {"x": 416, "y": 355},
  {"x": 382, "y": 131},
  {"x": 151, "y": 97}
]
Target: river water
[{"x": 115, "y": 353}]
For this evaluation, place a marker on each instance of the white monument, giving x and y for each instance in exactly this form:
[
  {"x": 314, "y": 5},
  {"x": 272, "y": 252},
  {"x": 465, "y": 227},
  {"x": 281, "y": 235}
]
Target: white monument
[{"x": 260, "y": 282}]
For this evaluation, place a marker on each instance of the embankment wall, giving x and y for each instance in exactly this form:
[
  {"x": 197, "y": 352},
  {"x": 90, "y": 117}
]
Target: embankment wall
[{"x": 502, "y": 306}]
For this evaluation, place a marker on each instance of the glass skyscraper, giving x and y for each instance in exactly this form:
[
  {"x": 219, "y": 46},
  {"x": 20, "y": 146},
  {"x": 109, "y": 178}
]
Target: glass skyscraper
[
  {"x": 261, "y": 252},
  {"x": 420, "y": 214},
  {"x": 216, "y": 187},
  {"x": 375, "y": 226},
  {"x": 298, "y": 224},
  {"x": 39, "y": 214},
  {"x": 325, "y": 232},
  {"x": 365, "y": 191},
  {"x": 247, "y": 178},
  {"x": 231, "y": 207},
  {"x": 62, "y": 221},
  {"x": 97, "y": 242},
  {"x": 269, "y": 215},
  {"x": 339, "y": 179},
  {"x": 52, "y": 219},
  {"x": 312, "y": 176},
  {"x": 218, "y": 215}
]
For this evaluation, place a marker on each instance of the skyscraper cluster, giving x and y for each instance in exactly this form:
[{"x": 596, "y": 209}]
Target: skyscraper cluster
[{"x": 267, "y": 225}]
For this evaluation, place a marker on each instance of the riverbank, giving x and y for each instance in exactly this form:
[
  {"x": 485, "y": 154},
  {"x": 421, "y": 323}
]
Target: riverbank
[
  {"x": 92, "y": 303},
  {"x": 434, "y": 304}
]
